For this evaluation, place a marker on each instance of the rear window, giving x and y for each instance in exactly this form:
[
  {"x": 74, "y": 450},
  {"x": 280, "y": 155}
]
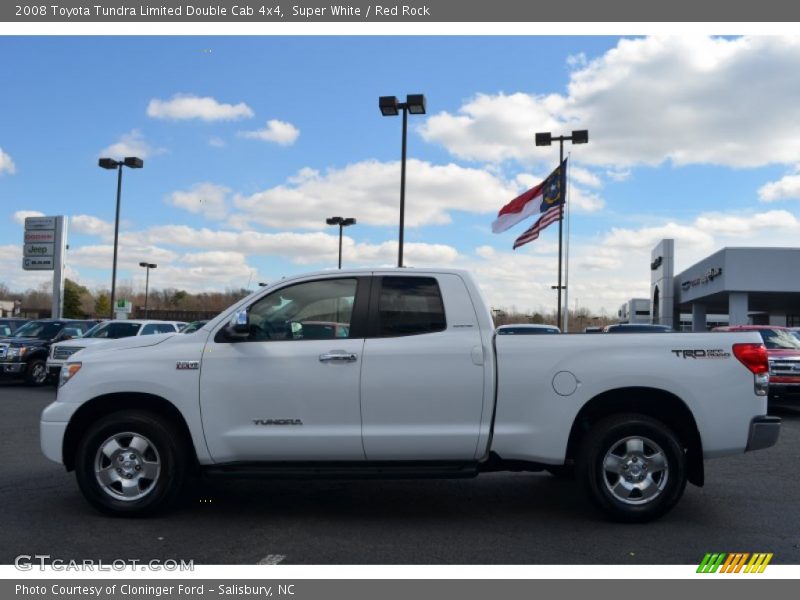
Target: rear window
[
  {"x": 410, "y": 306},
  {"x": 115, "y": 331},
  {"x": 153, "y": 328}
]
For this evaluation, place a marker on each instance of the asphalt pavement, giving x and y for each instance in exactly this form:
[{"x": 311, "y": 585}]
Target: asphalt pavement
[{"x": 750, "y": 503}]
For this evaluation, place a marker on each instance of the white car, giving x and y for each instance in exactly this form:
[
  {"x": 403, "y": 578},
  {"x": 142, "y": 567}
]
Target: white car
[
  {"x": 399, "y": 373},
  {"x": 60, "y": 352}
]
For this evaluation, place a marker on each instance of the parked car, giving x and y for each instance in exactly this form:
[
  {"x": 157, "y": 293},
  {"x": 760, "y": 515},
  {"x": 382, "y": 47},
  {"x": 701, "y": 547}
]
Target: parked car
[
  {"x": 103, "y": 332},
  {"x": 637, "y": 328},
  {"x": 526, "y": 329},
  {"x": 193, "y": 326},
  {"x": 24, "y": 353},
  {"x": 9, "y": 325},
  {"x": 420, "y": 386},
  {"x": 783, "y": 352}
]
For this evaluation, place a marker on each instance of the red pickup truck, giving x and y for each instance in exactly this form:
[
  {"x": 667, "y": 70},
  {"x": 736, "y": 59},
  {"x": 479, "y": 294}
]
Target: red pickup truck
[{"x": 783, "y": 351}]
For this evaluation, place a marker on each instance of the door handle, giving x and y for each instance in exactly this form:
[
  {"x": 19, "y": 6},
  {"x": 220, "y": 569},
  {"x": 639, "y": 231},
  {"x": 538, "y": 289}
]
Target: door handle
[{"x": 338, "y": 357}]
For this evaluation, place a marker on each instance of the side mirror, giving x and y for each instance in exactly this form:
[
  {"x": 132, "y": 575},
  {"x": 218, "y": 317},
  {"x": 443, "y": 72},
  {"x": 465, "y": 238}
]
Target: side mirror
[{"x": 239, "y": 325}]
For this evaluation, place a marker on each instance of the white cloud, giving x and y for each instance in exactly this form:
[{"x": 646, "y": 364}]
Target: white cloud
[
  {"x": 686, "y": 100},
  {"x": 279, "y": 132},
  {"x": 214, "y": 258},
  {"x": 21, "y": 215},
  {"x": 208, "y": 199},
  {"x": 87, "y": 224},
  {"x": 585, "y": 177},
  {"x": 618, "y": 174},
  {"x": 786, "y": 188},
  {"x": 369, "y": 191},
  {"x": 188, "y": 106},
  {"x": 216, "y": 142},
  {"x": 130, "y": 144},
  {"x": 6, "y": 164},
  {"x": 748, "y": 225}
]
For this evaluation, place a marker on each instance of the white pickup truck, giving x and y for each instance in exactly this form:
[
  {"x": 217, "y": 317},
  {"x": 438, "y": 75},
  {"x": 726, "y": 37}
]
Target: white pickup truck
[{"x": 399, "y": 373}]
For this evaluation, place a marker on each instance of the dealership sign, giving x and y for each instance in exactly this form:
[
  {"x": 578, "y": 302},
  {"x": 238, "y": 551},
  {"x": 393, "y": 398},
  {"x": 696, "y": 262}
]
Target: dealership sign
[
  {"x": 710, "y": 275},
  {"x": 44, "y": 248},
  {"x": 43, "y": 243}
]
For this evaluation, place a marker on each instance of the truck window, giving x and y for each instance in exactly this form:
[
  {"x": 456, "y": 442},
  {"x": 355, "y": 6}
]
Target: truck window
[
  {"x": 314, "y": 310},
  {"x": 410, "y": 306}
]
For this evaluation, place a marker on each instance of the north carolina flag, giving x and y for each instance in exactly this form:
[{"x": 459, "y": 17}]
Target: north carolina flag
[{"x": 551, "y": 192}]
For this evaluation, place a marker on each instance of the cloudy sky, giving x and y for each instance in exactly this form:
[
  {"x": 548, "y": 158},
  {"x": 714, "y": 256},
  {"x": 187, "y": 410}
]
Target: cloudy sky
[{"x": 251, "y": 142}]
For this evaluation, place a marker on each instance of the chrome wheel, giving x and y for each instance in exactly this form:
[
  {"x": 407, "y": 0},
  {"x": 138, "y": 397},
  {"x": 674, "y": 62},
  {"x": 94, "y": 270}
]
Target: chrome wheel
[
  {"x": 127, "y": 466},
  {"x": 635, "y": 470},
  {"x": 38, "y": 373}
]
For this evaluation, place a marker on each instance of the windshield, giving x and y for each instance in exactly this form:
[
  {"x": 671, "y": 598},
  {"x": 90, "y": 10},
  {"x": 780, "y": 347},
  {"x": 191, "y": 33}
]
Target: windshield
[
  {"x": 42, "y": 330},
  {"x": 780, "y": 339},
  {"x": 113, "y": 331}
]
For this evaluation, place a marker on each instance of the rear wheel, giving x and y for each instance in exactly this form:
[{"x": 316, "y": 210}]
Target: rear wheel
[
  {"x": 131, "y": 463},
  {"x": 633, "y": 467}
]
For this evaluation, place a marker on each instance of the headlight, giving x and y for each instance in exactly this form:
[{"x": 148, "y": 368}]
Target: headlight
[
  {"x": 68, "y": 371},
  {"x": 16, "y": 352}
]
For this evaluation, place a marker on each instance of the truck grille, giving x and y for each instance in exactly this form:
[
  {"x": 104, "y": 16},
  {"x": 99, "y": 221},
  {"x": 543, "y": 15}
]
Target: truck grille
[
  {"x": 785, "y": 367},
  {"x": 3, "y": 350},
  {"x": 64, "y": 353}
]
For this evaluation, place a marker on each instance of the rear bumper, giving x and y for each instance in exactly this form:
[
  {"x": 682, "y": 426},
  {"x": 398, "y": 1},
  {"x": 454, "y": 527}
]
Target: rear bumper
[{"x": 764, "y": 433}]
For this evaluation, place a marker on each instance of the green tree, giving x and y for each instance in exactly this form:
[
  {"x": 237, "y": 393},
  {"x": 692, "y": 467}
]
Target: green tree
[
  {"x": 102, "y": 306},
  {"x": 72, "y": 299}
]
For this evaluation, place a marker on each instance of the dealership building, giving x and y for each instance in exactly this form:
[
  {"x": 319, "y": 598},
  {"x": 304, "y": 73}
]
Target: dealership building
[{"x": 759, "y": 286}]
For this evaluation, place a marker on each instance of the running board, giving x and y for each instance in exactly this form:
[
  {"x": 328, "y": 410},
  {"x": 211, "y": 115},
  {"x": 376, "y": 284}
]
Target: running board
[{"x": 344, "y": 470}]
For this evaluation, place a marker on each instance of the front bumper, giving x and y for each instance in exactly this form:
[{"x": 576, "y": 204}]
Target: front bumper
[
  {"x": 764, "y": 433},
  {"x": 51, "y": 437},
  {"x": 12, "y": 368},
  {"x": 783, "y": 391}
]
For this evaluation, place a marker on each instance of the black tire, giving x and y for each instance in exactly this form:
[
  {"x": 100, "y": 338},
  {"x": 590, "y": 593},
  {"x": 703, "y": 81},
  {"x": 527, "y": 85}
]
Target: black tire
[
  {"x": 36, "y": 373},
  {"x": 164, "y": 448},
  {"x": 628, "y": 484}
]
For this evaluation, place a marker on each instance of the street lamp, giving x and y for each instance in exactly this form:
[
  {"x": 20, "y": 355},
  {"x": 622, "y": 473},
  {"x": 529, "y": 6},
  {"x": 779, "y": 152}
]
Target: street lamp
[
  {"x": 580, "y": 136},
  {"x": 342, "y": 223},
  {"x": 147, "y": 266},
  {"x": 109, "y": 163},
  {"x": 390, "y": 107}
]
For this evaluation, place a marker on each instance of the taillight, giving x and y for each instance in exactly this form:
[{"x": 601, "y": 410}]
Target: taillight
[{"x": 754, "y": 357}]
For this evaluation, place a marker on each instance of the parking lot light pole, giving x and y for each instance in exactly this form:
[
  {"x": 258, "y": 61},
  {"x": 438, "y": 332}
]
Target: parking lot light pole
[
  {"x": 342, "y": 222},
  {"x": 580, "y": 136},
  {"x": 131, "y": 162},
  {"x": 147, "y": 266},
  {"x": 390, "y": 107}
]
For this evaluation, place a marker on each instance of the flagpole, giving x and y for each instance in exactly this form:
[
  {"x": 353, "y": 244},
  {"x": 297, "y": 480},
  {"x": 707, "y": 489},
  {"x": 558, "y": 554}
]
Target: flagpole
[
  {"x": 566, "y": 257},
  {"x": 560, "y": 234}
]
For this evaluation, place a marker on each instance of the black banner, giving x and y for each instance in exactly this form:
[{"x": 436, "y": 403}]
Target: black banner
[{"x": 408, "y": 11}]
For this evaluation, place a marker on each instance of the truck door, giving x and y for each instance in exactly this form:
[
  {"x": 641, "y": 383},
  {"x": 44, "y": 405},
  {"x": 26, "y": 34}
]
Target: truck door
[
  {"x": 290, "y": 391},
  {"x": 422, "y": 377}
]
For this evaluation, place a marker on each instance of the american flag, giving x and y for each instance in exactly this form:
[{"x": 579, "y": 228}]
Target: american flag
[{"x": 551, "y": 215}]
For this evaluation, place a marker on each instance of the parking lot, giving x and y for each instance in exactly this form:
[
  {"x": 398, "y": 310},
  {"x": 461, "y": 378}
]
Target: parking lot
[{"x": 750, "y": 503}]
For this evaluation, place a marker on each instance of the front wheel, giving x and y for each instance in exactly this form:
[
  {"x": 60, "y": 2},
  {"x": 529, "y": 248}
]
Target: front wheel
[
  {"x": 131, "y": 463},
  {"x": 633, "y": 467},
  {"x": 36, "y": 373}
]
